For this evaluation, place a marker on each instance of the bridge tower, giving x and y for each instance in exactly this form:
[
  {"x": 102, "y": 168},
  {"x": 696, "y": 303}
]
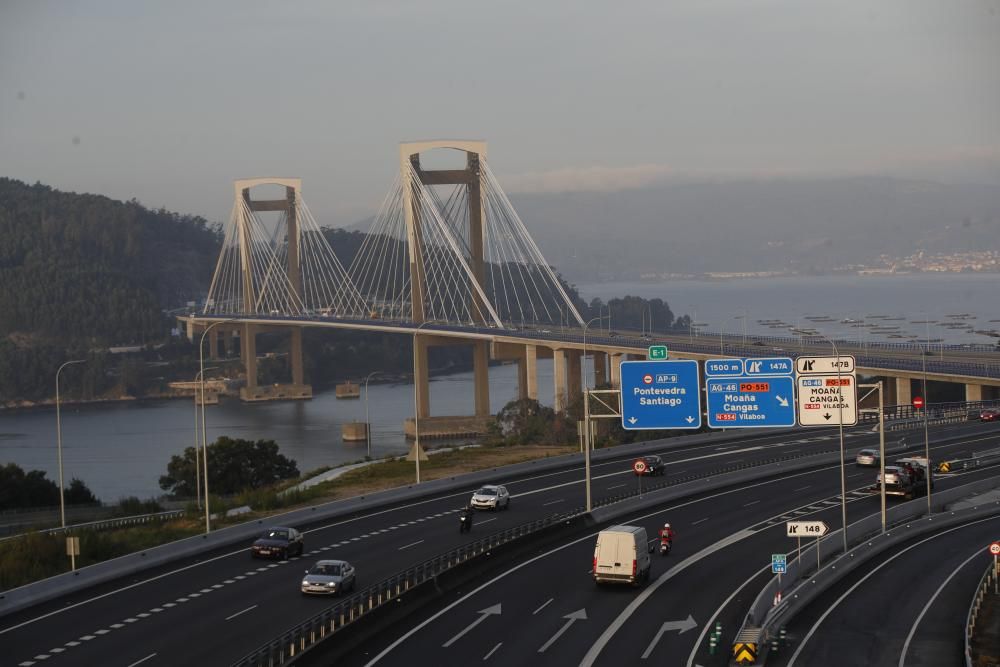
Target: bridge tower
[
  {"x": 470, "y": 176},
  {"x": 287, "y": 206}
]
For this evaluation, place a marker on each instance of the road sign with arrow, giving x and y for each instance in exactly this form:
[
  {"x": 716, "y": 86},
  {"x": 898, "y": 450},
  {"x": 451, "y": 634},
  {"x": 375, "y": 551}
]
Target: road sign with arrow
[
  {"x": 827, "y": 399},
  {"x": 660, "y": 395}
]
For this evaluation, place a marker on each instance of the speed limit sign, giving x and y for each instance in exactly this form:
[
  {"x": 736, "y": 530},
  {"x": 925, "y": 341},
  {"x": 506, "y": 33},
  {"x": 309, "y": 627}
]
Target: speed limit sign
[
  {"x": 640, "y": 467},
  {"x": 995, "y": 548}
]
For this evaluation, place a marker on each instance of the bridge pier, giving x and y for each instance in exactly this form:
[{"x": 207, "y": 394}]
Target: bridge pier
[
  {"x": 973, "y": 392},
  {"x": 421, "y": 377},
  {"x": 248, "y": 353},
  {"x": 600, "y": 368},
  {"x": 527, "y": 373},
  {"x": 481, "y": 377},
  {"x": 559, "y": 380},
  {"x": 616, "y": 370},
  {"x": 904, "y": 396}
]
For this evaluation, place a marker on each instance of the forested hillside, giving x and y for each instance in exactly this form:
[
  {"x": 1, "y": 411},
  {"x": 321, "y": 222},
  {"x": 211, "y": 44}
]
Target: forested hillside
[{"x": 88, "y": 270}]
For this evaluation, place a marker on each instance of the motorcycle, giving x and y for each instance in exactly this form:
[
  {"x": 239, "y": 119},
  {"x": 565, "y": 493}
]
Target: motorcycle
[
  {"x": 465, "y": 522},
  {"x": 665, "y": 546}
]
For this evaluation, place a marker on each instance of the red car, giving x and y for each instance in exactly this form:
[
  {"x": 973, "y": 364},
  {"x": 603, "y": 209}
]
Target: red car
[{"x": 989, "y": 415}]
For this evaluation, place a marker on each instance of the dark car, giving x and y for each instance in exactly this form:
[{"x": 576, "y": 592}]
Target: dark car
[
  {"x": 278, "y": 542},
  {"x": 654, "y": 466},
  {"x": 989, "y": 415}
]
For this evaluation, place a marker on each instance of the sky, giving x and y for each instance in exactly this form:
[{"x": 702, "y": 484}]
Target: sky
[{"x": 169, "y": 102}]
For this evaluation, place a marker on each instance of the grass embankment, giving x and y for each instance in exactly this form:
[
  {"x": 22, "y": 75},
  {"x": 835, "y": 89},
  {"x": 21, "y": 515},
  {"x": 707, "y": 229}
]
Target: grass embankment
[{"x": 36, "y": 556}]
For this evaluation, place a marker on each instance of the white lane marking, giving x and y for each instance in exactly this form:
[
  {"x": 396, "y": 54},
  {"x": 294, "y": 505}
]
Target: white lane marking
[
  {"x": 229, "y": 618},
  {"x": 863, "y": 579},
  {"x": 802, "y": 488},
  {"x": 722, "y": 449},
  {"x": 117, "y": 626},
  {"x": 752, "y": 502},
  {"x": 423, "y": 624},
  {"x": 547, "y": 603},
  {"x": 26, "y": 663},
  {"x": 906, "y": 645},
  {"x": 168, "y": 605},
  {"x": 131, "y": 620},
  {"x": 101, "y": 632},
  {"x": 87, "y": 638},
  {"x": 616, "y": 486},
  {"x": 139, "y": 662},
  {"x": 57, "y": 650},
  {"x": 156, "y": 610},
  {"x": 552, "y": 502},
  {"x": 487, "y": 656},
  {"x": 411, "y": 544},
  {"x": 486, "y": 520},
  {"x": 71, "y": 644},
  {"x": 695, "y": 523}
]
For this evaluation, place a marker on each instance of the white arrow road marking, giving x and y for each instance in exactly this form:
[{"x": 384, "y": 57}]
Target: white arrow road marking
[
  {"x": 685, "y": 625},
  {"x": 578, "y": 615},
  {"x": 783, "y": 402},
  {"x": 483, "y": 615}
]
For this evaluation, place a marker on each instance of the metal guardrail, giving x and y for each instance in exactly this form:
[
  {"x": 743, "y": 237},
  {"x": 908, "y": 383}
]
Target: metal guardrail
[
  {"x": 103, "y": 524},
  {"x": 304, "y": 636},
  {"x": 977, "y": 459},
  {"x": 989, "y": 577}
]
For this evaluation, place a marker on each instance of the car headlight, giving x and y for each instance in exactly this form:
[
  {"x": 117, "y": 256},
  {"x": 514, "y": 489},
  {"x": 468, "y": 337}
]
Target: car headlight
[
  {"x": 305, "y": 583},
  {"x": 332, "y": 584}
]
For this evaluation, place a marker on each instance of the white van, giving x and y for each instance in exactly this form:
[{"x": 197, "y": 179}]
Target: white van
[{"x": 621, "y": 555}]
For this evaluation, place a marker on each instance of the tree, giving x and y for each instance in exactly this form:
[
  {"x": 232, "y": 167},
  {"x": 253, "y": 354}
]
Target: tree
[
  {"x": 233, "y": 466},
  {"x": 20, "y": 489}
]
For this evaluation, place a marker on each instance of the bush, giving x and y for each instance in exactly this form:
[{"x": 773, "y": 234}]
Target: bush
[{"x": 233, "y": 466}]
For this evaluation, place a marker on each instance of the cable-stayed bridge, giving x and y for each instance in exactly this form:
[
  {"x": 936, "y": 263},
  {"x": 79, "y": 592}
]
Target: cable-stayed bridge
[{"x": 449, "y": 260}]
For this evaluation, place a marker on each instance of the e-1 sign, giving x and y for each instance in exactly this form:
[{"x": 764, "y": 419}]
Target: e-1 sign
[{"x": 806, "y": 528}]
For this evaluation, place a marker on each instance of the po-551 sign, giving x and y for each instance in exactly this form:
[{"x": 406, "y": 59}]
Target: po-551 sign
[{"x": 806, "y": 528}]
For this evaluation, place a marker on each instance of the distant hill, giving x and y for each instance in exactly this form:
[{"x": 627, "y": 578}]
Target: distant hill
[
  {"x": 85, "y": 269},
  {"x": 810, "y": 226}
]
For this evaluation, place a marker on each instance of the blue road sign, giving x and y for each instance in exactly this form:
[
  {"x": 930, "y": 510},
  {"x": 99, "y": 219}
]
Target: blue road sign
[
  {"x": 715, "y": 367},
  {"x": 660, "y": 394},
  {"x": 768, "y": 366},
  {"x": 745, "y": 401},
  {"x": 778, "y": 564}
]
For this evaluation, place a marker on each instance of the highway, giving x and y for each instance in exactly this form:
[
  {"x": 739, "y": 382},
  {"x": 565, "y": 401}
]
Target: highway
[
  {"x": 907, "y": 607},
  {"x": 215, "y": 609},
  {"x": 720, "y": 561}
]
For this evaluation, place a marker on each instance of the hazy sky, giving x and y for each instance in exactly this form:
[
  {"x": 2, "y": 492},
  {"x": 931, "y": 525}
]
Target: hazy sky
[{"x": 168, "y": 102}]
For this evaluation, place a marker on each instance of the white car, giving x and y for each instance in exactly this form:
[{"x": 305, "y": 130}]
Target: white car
[
  {"x": 491, "y": 497},
  {"x": 867, "y": 457}
]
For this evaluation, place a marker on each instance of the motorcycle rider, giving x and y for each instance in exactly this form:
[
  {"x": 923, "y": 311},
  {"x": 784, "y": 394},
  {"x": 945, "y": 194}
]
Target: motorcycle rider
[
  {"x": 667, "y": 534},
  {"x": 466, "y": 517}
]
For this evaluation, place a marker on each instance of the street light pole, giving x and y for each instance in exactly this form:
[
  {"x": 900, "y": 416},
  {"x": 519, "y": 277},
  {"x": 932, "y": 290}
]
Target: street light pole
[
  {"x": 62, "y": 497},
  {"x": 204, "y": 431},
  {"x": 368, "y": 426},
  {"x": 197, "y": 462},
  {"x": 840, "y": 427}
]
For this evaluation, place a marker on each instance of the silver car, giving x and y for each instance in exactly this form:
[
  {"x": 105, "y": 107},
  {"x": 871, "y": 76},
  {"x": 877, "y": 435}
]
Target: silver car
[
  {"x": 329, "y": 577},
  {"x": 867, "y": 457},
  {"x": 491, "y": 497}
]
